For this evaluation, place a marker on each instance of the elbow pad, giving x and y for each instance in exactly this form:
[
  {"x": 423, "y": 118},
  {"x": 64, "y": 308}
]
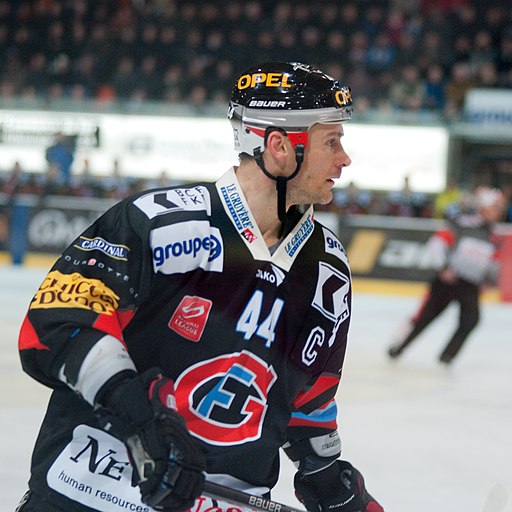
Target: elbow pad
[
  {"x": 105, "y": 359},
  {"x": 315, "y": 453}
]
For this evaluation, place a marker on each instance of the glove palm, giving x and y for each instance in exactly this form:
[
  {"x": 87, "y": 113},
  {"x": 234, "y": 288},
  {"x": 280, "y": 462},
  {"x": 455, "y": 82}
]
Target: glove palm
[{"x": 338, "y": 488}]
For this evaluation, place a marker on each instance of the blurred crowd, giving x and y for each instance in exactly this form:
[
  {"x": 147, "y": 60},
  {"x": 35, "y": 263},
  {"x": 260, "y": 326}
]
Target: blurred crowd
[
  {"x": 417, "y": 56},
  {"x": 85, "y": 183},
  {"x": 406, "y": 202},
  {"x": 349, "y": 200},
  {"x": 405, "y": 55}
]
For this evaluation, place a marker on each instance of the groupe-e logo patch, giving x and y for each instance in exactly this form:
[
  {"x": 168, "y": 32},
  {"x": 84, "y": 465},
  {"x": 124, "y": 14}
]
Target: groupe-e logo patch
[{"x": 186, "y": 246}]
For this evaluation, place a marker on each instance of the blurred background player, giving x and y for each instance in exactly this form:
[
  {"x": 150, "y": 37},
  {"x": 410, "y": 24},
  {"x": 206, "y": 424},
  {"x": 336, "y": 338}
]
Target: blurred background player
[{"x": 465, "y": 255}]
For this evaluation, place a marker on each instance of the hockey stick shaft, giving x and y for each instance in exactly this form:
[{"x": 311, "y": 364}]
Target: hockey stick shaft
[{"x": 223, "y": 493}]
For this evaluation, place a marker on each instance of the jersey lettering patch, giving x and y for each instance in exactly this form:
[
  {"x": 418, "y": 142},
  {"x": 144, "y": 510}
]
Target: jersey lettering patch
[
  {"x": 315, "y": 340},
  {"x": 275, "y": 277},
  {"x": 239, "y": 213},
  {"x": 333, "y": 246},
  {"x": 331, "y": 294},
  {"x": 224, "y": 400},
  {"x": 299, "y": 236},
  {"x": 186, "y": 246},
  {"x": 173, "y": 200},
  {"x": 190, "y": 317}
]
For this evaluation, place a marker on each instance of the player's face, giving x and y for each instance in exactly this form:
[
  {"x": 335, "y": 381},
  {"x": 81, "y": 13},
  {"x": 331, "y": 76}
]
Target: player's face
[
  {"x": 492, "y": 213},
  {"x": 324, "y": 159}
]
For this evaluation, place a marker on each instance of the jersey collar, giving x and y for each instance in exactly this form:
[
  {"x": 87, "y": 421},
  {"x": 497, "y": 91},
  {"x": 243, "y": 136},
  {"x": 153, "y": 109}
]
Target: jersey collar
[{"x": 237, "y": 209}]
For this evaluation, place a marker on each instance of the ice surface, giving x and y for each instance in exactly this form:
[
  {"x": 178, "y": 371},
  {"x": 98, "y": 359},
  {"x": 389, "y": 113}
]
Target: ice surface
[{"x": 427, "y": 439}]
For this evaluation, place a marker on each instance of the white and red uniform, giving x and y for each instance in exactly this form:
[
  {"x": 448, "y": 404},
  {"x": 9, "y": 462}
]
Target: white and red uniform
[{"x": 465, "y": 255}]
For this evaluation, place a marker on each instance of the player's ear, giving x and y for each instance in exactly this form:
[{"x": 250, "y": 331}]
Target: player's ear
[{"x": 278, "y": 146}]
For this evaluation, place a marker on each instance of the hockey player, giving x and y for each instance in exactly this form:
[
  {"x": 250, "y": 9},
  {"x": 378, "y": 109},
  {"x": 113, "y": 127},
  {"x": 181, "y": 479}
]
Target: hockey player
[
  {"x": 465, "y": 256},
  {"x": 191, "y": 332}
]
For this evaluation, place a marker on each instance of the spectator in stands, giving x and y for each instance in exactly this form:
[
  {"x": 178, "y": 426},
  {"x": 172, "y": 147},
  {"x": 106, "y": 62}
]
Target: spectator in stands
[
  {"x": 47, "y": 49},
  {"x": 434, "y": 98},
  {"x": 85, "y": 184},
  {"x": 50, "y": 182},
  {"x": 358, "y": 49},
  {"x": 14, "y": 180},
  {"x": 381, "y": 54},
  {"x": 460, "y": 50},
  {"x": 483, "y": 50},
  {"x": 149, "y": 79},
  {"x": 406, "y": 50},
  {"x": 408, "y": 91},
  {"x": 36, "y": 75},
  {"x": 431, "y": 50},
  {"x": 465, "y": 19},
  {"x": 163, "y": 180},
  {"x": 407, "y": 203},
  {"x": 458, "y": 84},
  {"x": 504, "y": 58},
  {"x": 60, "y": 157},
  {"x": 124, "y": 79},
  {"x": 486, "y": 75},
  {"x": 447, "y": 202},
  {"x": 352, "y": 200},
  {"x": 117, "y": 186}
]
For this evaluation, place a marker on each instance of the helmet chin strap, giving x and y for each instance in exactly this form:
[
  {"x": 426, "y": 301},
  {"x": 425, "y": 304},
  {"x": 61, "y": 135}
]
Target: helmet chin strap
[{"x": 281, "y": 180}]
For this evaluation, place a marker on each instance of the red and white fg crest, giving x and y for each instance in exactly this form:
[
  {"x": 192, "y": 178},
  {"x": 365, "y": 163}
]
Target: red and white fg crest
[{"x": 224, "y": 400}]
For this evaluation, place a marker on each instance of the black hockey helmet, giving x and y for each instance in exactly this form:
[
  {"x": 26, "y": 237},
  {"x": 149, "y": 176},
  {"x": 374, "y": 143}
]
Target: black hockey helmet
[{"x": 287, "y": 95}]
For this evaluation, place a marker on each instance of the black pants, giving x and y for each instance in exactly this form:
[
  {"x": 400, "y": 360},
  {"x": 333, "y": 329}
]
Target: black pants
[{"x": 440, "y": 295}]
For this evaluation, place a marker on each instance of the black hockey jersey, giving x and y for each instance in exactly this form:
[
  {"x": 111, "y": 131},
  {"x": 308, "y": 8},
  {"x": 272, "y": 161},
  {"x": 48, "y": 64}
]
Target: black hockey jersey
[{"x": 182, "y": 278}]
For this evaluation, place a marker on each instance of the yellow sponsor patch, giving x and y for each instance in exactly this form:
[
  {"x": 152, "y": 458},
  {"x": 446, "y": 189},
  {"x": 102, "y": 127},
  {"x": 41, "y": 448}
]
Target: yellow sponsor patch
[{"x": 75, "y": 291}]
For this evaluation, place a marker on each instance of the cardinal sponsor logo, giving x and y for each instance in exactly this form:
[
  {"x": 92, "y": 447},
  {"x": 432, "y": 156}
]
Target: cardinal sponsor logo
[
  {"x": 75, "y": 291},
  {"x": 224, "y": 399},
  {"x": 190, "y": 317},
  {"x": 116, "y": 251}
]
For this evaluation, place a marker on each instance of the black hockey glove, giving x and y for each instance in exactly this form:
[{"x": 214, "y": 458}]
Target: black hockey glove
[
  {"x": 337, "y": 488},
  {"x": 167, "y": 465}
]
